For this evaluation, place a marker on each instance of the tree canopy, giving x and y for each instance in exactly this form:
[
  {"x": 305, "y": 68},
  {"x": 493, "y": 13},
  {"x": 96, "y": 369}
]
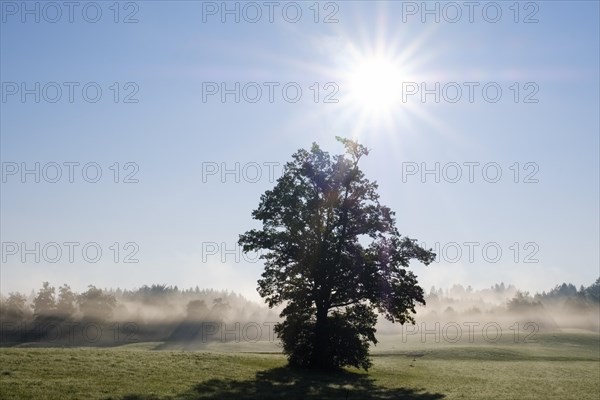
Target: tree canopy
[{"x": 333, "y": 257}]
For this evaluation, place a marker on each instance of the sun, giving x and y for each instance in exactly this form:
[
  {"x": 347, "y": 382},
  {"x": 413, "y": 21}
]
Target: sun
[
  {"x": 374, "y": 84},
  {"x": 375, "y": 74}
]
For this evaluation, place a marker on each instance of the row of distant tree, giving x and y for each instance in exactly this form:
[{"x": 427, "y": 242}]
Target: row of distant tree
[
  {"x": 566, "y": 295},
  {"x": 590, "y": 294},
  {"x": 564, "y": 304},
  {"x": 568, "y": 290},
  {"x": 100, "y": 305},
  {"x": 164, "y": 313},
  {"x": 156, "y": 313},
  {"x": 93, "y": 303}
]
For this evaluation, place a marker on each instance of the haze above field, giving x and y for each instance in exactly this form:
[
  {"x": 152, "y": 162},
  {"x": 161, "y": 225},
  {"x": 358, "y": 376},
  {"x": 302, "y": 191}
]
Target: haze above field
[{"x": 197, "y": 318}]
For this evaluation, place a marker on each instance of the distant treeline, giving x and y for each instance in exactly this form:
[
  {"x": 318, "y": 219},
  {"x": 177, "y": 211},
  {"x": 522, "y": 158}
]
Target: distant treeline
[
  {"x": 193, "y": 317},
  {"x": 565, "y": 293},
  {"x": 96, "y": 316},
  {"x": 99, "y": 304},
  {"x": 564, "y": 306}
]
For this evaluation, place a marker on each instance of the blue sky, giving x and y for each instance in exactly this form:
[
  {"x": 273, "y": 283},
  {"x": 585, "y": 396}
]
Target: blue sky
[{"x": 173, "y": 215}]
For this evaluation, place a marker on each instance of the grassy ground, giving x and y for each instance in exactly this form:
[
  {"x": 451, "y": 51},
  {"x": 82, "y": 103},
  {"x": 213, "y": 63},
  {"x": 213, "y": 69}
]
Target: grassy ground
[{"x": 557, "y": 366}]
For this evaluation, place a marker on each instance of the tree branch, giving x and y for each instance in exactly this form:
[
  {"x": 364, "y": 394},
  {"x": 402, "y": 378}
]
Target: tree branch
[{"x": 344, "y": 304}]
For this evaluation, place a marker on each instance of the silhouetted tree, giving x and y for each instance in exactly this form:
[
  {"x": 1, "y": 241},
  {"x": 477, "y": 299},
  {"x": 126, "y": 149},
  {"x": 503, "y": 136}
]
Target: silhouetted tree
[
  {"x": 220, "y": 306},
  {"x": 44, "y": 304},
  {"x": 523, "y": 302},
  {"x": 66, "y": 304},
  {"x": 333, "y": 257},
  {"x": 14, "y": 308},
  {"x": 96, "y": 304},
  {"x": 499, "y": 288},
  {"x": 196, "y": 310},
  {"x": 592, "y": 292}
]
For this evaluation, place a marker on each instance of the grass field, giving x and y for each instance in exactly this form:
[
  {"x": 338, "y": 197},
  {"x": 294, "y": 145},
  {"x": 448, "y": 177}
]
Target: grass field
[{"x": 558, "y": 366}]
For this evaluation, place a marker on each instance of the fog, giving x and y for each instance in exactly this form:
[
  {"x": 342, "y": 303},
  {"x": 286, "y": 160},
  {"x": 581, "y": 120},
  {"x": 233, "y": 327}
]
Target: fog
[
  {"x": 195, "y": 318},
  {"x": 508, "y": 309}
]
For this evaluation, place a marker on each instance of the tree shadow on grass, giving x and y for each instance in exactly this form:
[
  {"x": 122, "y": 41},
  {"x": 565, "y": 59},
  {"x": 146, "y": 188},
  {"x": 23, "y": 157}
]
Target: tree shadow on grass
[{"x": 288, "y": 383}]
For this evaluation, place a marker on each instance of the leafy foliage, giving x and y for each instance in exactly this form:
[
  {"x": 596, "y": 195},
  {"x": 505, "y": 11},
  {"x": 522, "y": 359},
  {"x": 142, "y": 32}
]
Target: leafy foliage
[
  {"x": 524, "y": 302},
  {"x": 44, "y": 303},
  {"x": 66, "y": 304},
  {"x": 333, "y": 256},
  {"x": 96, "y": 304}
]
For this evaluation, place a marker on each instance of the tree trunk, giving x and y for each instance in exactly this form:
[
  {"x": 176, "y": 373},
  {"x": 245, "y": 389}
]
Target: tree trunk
[{"x": 321, "y": 357}]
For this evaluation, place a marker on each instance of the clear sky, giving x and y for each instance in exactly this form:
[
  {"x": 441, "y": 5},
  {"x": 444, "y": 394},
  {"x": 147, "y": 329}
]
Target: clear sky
[{"x": 187, "y": 91}]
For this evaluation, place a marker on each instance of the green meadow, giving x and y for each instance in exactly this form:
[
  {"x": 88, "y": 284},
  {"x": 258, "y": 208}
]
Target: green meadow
[{"x": 562, "y": 365}]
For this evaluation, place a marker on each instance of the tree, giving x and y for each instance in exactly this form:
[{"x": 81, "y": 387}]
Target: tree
[
  {"x": 333, "y": 256},
  {"x": 96, "y": 304},
  {"x": 14, "y": 308},
  {"x": 44, "y": 303},
  {"x": 523, "y": 302},
  {"x": 65, "y": 306},
  {"x": 220, "y": 306},
  {"x": 196, "y": 310},
  {"x": 592, "y": 292}
]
